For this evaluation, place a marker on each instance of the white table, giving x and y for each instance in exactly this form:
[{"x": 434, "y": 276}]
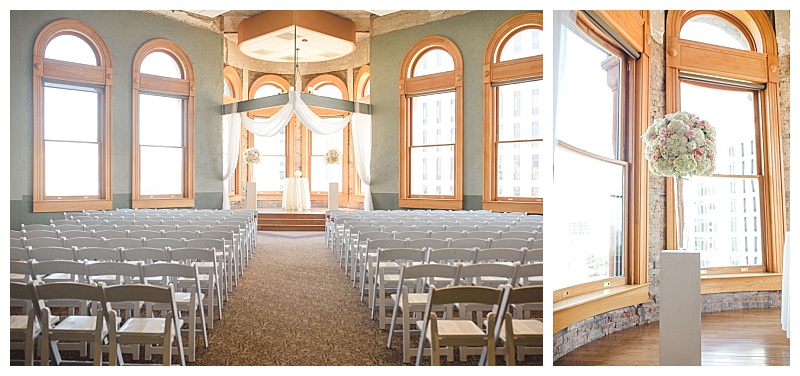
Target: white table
[{"x": 296, "y": 195}]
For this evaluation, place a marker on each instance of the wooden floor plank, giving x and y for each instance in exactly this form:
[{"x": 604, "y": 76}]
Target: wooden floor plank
[{"x": 751, "y": 337}]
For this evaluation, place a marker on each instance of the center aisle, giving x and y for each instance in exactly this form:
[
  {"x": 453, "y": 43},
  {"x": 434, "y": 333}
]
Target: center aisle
[{"x": 294, "y": 306}]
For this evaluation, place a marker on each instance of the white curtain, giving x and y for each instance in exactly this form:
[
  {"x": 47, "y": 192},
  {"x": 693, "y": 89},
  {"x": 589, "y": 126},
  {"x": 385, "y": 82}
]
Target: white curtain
[
  {"x": 362, "y": 146},
  {"x": 274, "y": 124},
  {"x": 234, "y": 137}
]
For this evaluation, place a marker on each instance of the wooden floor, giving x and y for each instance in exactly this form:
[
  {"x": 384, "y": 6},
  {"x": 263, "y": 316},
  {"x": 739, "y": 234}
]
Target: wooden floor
[{"x": 751, "y": 337}]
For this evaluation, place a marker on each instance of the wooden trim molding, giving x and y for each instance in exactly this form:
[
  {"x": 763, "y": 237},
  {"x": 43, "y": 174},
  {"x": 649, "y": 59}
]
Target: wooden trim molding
[
  {"x": 231, "y": 76},
  {"x": 101, "y": 75},
  {"x": 569, "y": 311},
  {"x": 429, "y": 84},
  {"x": 183, "y": 88},
  {"x": 497, "y": 72},
  {"x": 758, "y": 66}
]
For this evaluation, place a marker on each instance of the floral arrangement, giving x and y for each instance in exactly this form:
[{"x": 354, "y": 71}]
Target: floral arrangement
[
  {"x": 680, "y": 145},
  {"x": 251, "y": 156},
  {"x": 332, "y": 157}
]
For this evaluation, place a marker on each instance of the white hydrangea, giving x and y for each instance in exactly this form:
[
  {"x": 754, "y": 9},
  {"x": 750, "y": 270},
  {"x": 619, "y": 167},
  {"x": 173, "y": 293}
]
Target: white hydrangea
[{"x": 680, "y": 145}]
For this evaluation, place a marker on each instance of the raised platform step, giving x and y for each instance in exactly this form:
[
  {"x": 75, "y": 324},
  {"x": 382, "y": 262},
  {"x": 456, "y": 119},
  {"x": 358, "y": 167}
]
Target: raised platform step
[{"x": 291, "y": 221}]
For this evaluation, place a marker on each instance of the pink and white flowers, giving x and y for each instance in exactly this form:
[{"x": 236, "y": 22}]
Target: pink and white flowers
[
  {"x": 680, "y": 145},
  {"x": 251, "y": 156}
]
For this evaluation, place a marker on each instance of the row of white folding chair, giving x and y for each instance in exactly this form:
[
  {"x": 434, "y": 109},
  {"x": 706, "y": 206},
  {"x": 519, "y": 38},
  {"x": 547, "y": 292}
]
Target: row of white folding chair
[
  {"x": 203, "y": 252},
  {"x": 104, "y": 324},
  {"x": 507, "y": 250},
  {"x": 385, "y": 267},
  {"x": 411, "y": 299}
]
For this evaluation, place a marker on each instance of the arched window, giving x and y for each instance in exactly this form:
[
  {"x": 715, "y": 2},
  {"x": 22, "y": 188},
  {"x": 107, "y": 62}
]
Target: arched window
[
  {"x": 73, "y": 76},
  {"x": 513, "y": 131},
  {"x": 277, "y": 152},
  {"x": 232, "y": 92},
  {"x": 315, "y": 146},
  {"x": 163, "y": 126},
  {"x": 722, "y": 66},
  {"x": 431, "y": 125}
]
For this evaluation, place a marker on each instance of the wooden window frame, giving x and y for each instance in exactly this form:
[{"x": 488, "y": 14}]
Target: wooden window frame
[
  {"x": 497, "y": 72},
  {"x": 184, "y": 88},
  {"x": 102, "y": 76},
  {"x": 760, "y": 65},
  {"x": 579, "y": 302},
  {"x": 232, "y": 77},
  {"x": 430, "y": 84},
  {"x": 283, "y": 84},
  {"x": 306, "y": 135}
]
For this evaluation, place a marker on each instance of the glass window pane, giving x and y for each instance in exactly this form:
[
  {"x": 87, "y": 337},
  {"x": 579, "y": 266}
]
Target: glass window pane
[
  {"x": 329, "y": 91},
  {"x": 367, "y": 87},
  {"x": 716, "y": 30},
  {"x": 524, "y": 43},
  {"x": 590, "y": 240},
  {"x": 322, "y": 174},
  {"x": 588, "y": 105},
  {"x": 269, "y": 174},
  {"x": 71, "y": 48},
  {"x": 436, "y": 176},
  {"x": 160, "y": 120},
  {"x": 522, "y": 161},
  {"x": 508, "y": 117},
  {"x": 226, "y": 89},
  {"x": 161, "y": 171},
  {"x": 71, "y": 169},
  {"x": 71, "y": 113},
  {"x": 717, "y": 226},
  {"x": 732, "y": 114},
  {"x": 433, "y": 61},
  {"x": 267, "y": 91},
  {"x": 439, "y": 131},
  {"x": 161, "y": 64}
]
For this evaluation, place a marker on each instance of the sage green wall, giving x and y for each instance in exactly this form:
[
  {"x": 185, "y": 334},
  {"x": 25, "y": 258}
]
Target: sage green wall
[
  {"x": 124, "y": 32},
  {"x": 471, "y": 33}
]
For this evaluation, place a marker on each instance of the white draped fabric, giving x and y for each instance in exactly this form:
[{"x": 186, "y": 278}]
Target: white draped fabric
[
  {"x": 362, "y": 136},
  {"x": 274, "y": 124},
  {"x": 362, "y": 146},
  {"x": 234, "y": 136}
]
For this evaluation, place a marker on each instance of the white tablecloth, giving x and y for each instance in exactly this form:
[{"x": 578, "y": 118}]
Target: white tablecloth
[
  {"x": 785, "y": 293},
  {"x": 296, "y": 195}
]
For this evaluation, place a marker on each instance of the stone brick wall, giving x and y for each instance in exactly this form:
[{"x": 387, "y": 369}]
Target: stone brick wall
[{"x": 599, "y": 326}]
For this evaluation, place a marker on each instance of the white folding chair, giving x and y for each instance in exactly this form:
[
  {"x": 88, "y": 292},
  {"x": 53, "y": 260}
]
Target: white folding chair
[
  {"x": 188, "y": 298},
  {"x": 385, "y": 276},
  {"x": 25, "y": 329},
  {"x": 206, "y": 262},
  {"x": 83, "y": 328},
  {"x": 163, "y": 331},
  {"x": 448, "y": 331}
]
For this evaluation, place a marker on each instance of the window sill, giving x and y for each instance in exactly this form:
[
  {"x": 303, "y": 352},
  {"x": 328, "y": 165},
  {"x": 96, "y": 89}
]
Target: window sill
[
  {"x": 72, "y": 205},
  {"x": 431, "y": 203},
  {"x": 580, "y": 307},
  {"x": 159, "y": 203},
  {"x": 531, "y": 207},
  {"x": 722, "y": 283}
]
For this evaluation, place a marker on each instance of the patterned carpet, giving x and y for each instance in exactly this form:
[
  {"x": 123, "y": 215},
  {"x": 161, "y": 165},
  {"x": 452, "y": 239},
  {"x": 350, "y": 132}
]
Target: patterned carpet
[{"x": 294, "y": 306}]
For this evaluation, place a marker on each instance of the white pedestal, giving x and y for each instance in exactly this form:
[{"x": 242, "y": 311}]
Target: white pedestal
[
  {"x": 333, "y": 196},
  {"x": 680, "y": 308},
  {"x": 250, "y": 195}
]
